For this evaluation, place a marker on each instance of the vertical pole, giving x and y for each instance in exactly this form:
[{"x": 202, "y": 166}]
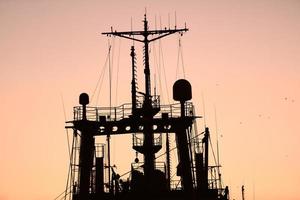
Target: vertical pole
[
  {"x": 168, "y": 162},
  {"x": 83, "y": 112},
  {"x": 206, "y": 140},
  {"x": 108, "y": 135},
  {"x": 149, "y": 154},
  {"x": 133, "y": 83},
  {"x": 243, "y": 192},
  {"x": 184, "y": 157},
  {"x": 85, "y": 161},
  {"x": 99, "y": 176},
  {"x": 199, "y": 171},
  {"x": 149, "y": 165},
  {"x": 147, "y": 67}
]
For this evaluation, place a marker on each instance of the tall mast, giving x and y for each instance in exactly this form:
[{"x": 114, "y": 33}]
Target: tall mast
[
  {"x": 146, "y": 62},
  {"x": 133, "y": 81},
  {"x": 147, "y": 110},
  {"x": 159, "y": 33}
]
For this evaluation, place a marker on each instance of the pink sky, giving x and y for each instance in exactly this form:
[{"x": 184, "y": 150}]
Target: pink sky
[{"x": 243, "y": 56}]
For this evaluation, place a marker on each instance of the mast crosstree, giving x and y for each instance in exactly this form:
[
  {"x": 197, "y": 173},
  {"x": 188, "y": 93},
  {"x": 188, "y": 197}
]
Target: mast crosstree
[{"x": 158, "y": 34}]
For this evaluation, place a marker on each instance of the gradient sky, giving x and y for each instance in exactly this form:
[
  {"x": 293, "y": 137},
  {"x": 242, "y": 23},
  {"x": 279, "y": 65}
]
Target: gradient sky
[{"x": 243, "y": 57}]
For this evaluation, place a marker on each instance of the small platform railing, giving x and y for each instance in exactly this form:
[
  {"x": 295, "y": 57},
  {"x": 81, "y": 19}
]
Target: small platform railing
[
  {"x": 139, "y": 141},
  {"x": 161, "y": 166},
  {"x": 125, "y": 110},
  {"x": 175, "y": 185}
]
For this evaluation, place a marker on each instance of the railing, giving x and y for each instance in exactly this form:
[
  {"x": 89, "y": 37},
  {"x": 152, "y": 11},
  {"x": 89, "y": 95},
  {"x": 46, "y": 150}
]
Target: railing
[
  {"x": 161, "y": 166},
  {"x": 155, "y": 101},
  {"x": 99, "y": 150},
  {"x": 110, "y": 113},
  {"x": 175, "y": 185},
  {"x": 125, "y": 110},
  {"x": 137, "y": 141},
  {"x": 174, "y": 110}
]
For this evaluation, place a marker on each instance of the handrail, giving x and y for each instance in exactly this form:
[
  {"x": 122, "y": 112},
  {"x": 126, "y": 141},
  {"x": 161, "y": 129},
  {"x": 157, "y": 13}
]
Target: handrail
[
  {"x": 137, "y": 141},
  {"x": 125, "y": 111},
  {"x": 158, "y": 166}
]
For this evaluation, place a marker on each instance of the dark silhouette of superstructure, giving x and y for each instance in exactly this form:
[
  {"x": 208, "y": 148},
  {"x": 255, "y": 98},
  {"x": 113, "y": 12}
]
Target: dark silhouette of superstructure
[{"x": 148, "y": 121}]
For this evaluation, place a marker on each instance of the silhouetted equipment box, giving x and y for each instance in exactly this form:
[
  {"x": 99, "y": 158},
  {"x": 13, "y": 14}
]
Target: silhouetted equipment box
[{"x": 182, "y": 90}]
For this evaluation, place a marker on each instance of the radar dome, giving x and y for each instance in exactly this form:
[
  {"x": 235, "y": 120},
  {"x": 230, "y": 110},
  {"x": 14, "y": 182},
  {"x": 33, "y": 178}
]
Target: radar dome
[
  {"x": 182, "y": 90},
  {"x": 84, "y": 99}
]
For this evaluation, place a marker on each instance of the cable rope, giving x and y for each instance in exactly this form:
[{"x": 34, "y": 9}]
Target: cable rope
[
  {"x": 74, "y": 157},
  {"x": 112, "y": 55},
  {"x": 203, "y": 107},
  {"x": 156, "y": 64},
  {"x": 212, "y": 149},
  {"x": 182, "y": 62},
  {"x": 100, "y": 79},
  {"x": 58, "y": 197},
  {"x": 70, "y": 168},
  {"x": 108, "y": 136},
  {"x": 68, "y": 177},
  {"x": 218, "y": 153},
  {"x": 116, "y": 91},
  {"x": 180, "y": 57},
  {"x": 65, "y": 116},
  {"x": 161, "y": 60},
  {"x": 118, "y": 67},
  {"x": 131, "y": 25},
  {"x": 177, "y": 67},
  {"x": 155, "y": 71},
  {"x": 68, "y": 141},
  {"x": 111, "y": 67}
]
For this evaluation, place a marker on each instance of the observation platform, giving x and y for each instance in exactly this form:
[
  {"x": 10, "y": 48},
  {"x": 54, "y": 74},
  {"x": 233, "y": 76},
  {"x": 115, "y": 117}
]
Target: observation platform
[{"x": 119, "y": 120}]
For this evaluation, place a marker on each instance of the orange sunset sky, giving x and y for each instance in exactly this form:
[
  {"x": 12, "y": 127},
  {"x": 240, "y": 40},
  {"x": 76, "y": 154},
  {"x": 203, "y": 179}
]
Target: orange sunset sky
[{"x": 241, "y": 56}]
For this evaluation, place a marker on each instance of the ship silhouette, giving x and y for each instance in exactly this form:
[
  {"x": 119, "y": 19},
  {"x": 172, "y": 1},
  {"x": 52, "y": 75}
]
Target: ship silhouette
[{"x": 148, "y": 121}]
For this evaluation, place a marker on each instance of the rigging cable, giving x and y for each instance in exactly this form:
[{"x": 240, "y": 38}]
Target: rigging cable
[
  {"x": 68, "y": 141},
  {"x": 68, "y": 177},
  {"x": 111, "y": 69},
  {"x": 213, "y": 151},
  {"x": 156, "y": 64},
  {"x": 65, "y": 116},
  {"x": 161, "y": 64},
  {"x": 218, "y": 154},
  {"x": 100, "y": 79},
  {"x": 203, "y": 107},
  {"x": 131, "y": 25},
  {"x": 76, "y": 148},
  {"x": 118, "y": 67},
  {"x": 116, "y": 94},
  {"x": 108, "y": 135},
  {"x": 177, "y": 68},
  {"x": 70, "y": 173},
  {"x": 181, "y": 53},
  {"x": 180, "y": 56}
]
